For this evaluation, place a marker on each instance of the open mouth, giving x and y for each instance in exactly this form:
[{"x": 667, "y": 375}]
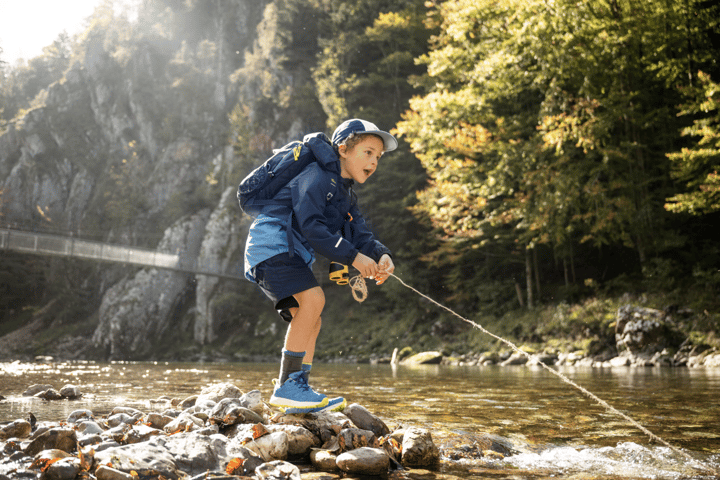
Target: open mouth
[{"x": 368, "y": 171}]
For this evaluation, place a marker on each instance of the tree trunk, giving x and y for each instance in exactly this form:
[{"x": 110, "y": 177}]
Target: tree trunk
[
  {"x": 518, "y": 290},
  {"x": 537, "y": 274},
  {"x": 528, "y": 279}
]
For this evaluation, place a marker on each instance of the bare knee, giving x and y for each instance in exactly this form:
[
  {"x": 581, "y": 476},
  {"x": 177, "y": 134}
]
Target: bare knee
[{"x": 312, "y": 300}]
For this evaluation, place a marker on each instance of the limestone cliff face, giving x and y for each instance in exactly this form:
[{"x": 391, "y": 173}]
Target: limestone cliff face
[
  {"x": 137, "y": 312},
  {"x": 120, "y": 150},
  {"x": 222, "y": 250}
]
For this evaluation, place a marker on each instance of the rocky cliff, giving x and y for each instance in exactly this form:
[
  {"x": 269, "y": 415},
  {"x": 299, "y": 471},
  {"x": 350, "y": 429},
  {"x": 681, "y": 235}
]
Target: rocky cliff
[{"x": 131, "y": 147}]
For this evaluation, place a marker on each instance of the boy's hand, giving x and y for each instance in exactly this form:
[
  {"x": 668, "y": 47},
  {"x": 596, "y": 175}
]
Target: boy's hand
[
  {"x": 385, "y": 268},
  {"x": 365, "y": 265}
]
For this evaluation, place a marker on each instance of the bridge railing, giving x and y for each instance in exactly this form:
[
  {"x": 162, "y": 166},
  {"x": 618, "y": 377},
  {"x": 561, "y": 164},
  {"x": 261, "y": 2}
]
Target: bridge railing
[{"x": 47, "y": 244}]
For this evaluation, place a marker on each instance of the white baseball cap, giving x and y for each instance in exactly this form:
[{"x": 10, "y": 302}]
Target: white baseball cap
[{"x": 356, "y": 125}]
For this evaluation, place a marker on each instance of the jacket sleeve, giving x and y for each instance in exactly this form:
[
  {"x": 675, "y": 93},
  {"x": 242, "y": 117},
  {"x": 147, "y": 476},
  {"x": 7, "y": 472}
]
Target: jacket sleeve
[
  {"x": 309, "y": 196},
  {"x": 357, "y": 232}
]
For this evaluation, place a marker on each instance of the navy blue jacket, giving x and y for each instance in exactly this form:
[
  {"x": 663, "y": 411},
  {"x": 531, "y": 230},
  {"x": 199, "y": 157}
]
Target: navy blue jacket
[{"x": 321, "y": 209}]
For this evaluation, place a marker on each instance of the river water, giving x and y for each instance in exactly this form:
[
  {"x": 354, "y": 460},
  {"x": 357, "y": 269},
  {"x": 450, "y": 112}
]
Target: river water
[{"x": 555, "y": 431}]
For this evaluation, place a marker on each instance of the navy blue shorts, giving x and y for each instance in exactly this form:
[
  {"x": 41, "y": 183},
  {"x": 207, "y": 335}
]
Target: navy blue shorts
[{"x": 282, "y": 276}]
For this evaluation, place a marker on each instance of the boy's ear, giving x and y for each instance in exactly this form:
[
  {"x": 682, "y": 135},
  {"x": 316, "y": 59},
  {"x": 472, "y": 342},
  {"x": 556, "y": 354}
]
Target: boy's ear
[{"x": 342, "y": 150}]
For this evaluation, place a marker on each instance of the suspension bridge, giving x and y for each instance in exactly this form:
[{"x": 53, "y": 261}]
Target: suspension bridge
[{"x": 67, "y": 246}]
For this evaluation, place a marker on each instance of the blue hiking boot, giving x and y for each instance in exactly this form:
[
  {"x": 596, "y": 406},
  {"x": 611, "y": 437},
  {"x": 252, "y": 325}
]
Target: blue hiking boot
[
  {"x": 334, "y": 405},
  {"x": 296, "y": 394}
]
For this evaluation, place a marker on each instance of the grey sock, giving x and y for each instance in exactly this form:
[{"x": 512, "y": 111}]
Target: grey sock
[{"x": 291, "y": 363}]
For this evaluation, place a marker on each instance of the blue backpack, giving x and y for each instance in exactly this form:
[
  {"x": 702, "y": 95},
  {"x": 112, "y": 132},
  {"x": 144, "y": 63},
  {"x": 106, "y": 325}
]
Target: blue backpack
[{"x": 261, "y": 185}]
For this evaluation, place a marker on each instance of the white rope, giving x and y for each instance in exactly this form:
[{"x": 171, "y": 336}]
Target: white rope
[
  {"x": 562, "y": 377},
  {"x": 359, "y": 288}
]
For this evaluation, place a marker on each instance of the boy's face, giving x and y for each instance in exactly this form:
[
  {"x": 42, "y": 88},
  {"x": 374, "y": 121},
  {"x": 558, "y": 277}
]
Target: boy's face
[{"x": 361, "y": 161}]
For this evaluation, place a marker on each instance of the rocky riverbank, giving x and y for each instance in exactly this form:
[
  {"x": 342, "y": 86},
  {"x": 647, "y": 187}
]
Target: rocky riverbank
[
  {"x": 220, "y": 433},
  {"x": 644, "y": 337}
]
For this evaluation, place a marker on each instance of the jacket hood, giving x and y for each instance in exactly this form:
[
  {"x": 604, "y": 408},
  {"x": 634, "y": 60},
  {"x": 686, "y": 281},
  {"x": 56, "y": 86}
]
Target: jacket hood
[{"x": 321, "y": 147}]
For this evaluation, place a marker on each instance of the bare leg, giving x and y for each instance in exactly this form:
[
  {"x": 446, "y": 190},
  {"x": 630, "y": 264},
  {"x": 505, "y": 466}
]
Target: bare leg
[
  {"x": 305, "y": 327},
  {"x": 310, "y": 347}
]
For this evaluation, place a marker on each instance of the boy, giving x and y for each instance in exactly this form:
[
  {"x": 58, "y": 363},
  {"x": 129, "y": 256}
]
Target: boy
[{"x": 319, "y": 215}]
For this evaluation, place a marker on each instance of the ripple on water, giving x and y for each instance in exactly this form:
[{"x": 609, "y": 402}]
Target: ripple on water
[{"x": 626, "y": 460}]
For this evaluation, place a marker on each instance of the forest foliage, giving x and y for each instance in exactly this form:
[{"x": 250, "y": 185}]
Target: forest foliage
[{"x": 550, "y": 148}]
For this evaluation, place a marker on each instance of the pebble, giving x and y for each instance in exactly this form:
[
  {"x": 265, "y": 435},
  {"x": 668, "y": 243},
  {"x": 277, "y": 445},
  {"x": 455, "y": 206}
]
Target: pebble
[{"x": 204, "y": 435}]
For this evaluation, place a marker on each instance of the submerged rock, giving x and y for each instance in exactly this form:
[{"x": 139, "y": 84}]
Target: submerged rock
[
  {"x": 71, "y": 392},
  {"x": 32, "y": 390},
  {"x": 424, "y": 358}
]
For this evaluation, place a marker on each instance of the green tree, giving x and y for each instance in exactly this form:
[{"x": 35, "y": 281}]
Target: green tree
[
  {"x": 547, "y": 123},
  {"x": 697, "y": 167}
]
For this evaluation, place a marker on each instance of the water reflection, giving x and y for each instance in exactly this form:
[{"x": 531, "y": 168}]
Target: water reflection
[{"x": 552, "y": 426}]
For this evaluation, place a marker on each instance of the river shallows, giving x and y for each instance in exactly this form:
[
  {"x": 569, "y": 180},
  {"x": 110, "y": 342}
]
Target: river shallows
[{"x": 556, "y": 431}]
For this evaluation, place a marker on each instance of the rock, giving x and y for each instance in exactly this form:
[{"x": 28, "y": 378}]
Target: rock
[
  {"x": 234, "y": 451},
  {"x": 79, "y": 415},
  {"x": 89, "y": 428},
  {"x": 106, "y": 473},
  {"x": 225, "y": 233},
  {"x": 365, "y": 420},
  {"x": 352, "y": 438},
  {"x": 192, "y": 453},
  {"x": 17, "y": 429},
  {"x": 712, "y": 360},
  {"x": 64, "y": 469},
  {"x": 71, "y": 392},
  {"x": 91, "y": 439},
  {"x": 32, "y": 390},
  {"x": 147, "y": 459},
  {"x": 619, "y": 361},
  {"x": 41, "y": 459},
  {"x": 424, "y": 358},
  {"x": 183, "y": 423},
  {"x": 253, "y": 401},
  {"x": 515, "y": 359},
  {"x": 116, "y": 434},
  {"x": 122, "y": 418},
  {"x": 59, "y": 438},
  {"x": 323, "y": 460},
  {"x": 130, "y": 411},
  {"x": 325, "y": 425},
  {"x": 135, "y": 309},
  {"x": 188, "y": 402},
  {"x": 218, "y": 392},
  {"x": 157, "y": 420},
  {"x": 470, "y": 446},
  {"x": 49, "y": 394},
  {"x": 418, "y": 449},
  {"x": 278, "y": 470},
  {"x": 643, "y": 331},
  {"x": 300, "y": 439},
  {"x": 273, "y": 446},
  {"x": 364, "y": 460},
  {"x": 140, "y": 433},
  {"x": 232, "y": 411}
]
